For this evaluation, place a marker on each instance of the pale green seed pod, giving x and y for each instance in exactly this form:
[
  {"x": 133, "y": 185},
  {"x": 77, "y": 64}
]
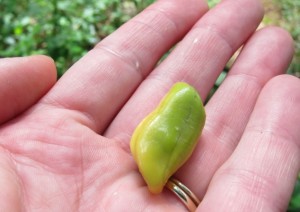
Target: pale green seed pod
[{"x": 166, "y": 138}]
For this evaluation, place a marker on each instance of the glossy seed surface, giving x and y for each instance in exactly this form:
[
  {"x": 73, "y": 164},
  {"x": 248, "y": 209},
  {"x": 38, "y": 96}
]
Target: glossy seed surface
[{"x": 166, "y": 138}]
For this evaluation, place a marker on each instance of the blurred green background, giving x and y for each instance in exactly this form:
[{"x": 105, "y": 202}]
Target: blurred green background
[
  {"x": 62, "y": 29},
  {"x": 66, "y": 30}
]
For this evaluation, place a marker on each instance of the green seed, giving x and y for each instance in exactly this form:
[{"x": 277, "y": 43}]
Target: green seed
[{"x": 166, "y": 138}]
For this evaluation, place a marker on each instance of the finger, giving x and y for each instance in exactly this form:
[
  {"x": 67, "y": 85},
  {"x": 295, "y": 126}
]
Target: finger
[
  {"x": 99, "y": 84},
  {"x": 198, "y": 60},
  {"x": 230, "y": 108},
  {"x": 23, "y": 81},
  {"x": 261, "y": 173}
]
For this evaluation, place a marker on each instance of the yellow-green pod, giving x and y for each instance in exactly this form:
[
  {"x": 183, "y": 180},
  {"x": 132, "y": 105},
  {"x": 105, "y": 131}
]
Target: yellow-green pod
[{"x": 166, "y": 138}]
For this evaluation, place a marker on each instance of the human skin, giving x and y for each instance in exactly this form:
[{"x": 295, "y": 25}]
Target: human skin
[{"x": 64, "y": 146}]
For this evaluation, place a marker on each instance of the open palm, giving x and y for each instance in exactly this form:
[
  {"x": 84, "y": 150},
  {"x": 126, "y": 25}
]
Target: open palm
[{"x": 69, "y": 150}]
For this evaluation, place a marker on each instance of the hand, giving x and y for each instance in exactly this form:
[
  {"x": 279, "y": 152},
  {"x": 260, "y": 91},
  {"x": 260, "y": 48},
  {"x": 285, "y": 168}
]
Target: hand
[{"x": 69, "y": 151}]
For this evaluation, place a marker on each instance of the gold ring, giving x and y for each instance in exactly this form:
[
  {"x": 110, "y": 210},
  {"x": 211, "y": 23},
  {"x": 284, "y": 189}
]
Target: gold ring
[{"x": 185, "y": 195}]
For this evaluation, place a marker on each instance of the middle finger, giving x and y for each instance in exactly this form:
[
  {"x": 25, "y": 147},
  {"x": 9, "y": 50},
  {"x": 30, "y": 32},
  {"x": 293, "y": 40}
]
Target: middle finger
[{"x": 198, "y": 60}]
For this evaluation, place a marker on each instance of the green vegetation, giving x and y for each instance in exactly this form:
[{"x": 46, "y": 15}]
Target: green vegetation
[
  {"x": 62, "y": 29},
  {"x": 66, "y": 30},
  {"x": 295, "y": 200},
  {"x": 286, "y": 13}
]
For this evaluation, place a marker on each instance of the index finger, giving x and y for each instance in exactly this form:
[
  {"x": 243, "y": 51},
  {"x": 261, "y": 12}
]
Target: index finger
[{"x": 100, "y": 83}]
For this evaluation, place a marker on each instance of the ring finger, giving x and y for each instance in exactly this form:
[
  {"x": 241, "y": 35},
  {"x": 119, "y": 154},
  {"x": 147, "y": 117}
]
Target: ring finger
[
  {"x": 230, "y": 108},
  {"x": 261, "y": 172}
]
